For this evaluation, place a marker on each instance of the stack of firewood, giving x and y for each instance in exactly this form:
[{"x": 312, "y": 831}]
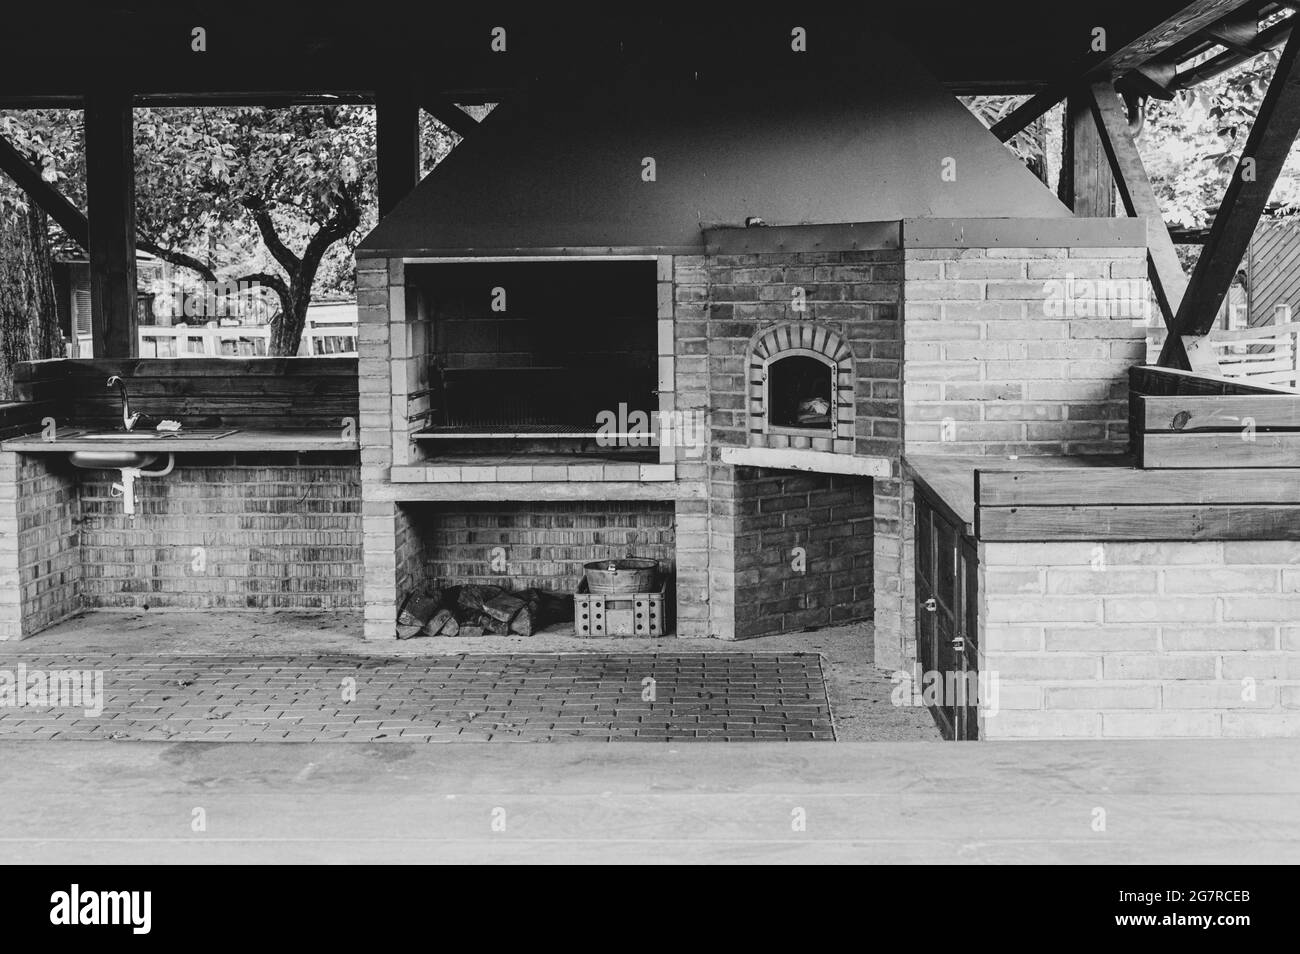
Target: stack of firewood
[{"x": 475, "y": 610}]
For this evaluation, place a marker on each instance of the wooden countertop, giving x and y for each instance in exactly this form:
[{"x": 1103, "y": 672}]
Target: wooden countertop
[
  {"x": 1107, "y": 498},
  {"x": 951, "y": 478},
  {"x": 238, "y": 439}
]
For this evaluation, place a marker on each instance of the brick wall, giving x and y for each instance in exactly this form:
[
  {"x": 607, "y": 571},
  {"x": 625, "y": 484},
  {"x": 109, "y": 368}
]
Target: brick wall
[
  {"x": 894, "y": 573},
  {"x": 248, "y": 532},
  {"x": 1021, "y": 350},
  {"x": 826, "y": 516},
  {"x": 40, "y": 566},
  {"x": 1129, "y": 640},
  {"x": 854, "y": 293},
  {"x": 245, "y": 532},
  {"x": 541, "y": 544},
  {"x": 720, "y": 303},
  {"x": 1007, "y": 351},
  {"x": 387, "y": 373},
  {"x": 704, "y": 584}
]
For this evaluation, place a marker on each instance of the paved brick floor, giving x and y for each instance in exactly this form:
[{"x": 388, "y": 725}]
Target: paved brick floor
[{"x": 455, "y": 698}]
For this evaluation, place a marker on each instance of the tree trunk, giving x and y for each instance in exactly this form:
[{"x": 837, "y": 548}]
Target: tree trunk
[
  {"x": 287, "y": 333},
  {"x": 29, "y": 321}
]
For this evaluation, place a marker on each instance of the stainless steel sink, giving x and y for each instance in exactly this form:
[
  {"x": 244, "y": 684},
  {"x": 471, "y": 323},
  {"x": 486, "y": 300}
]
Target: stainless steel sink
[
  {"x": 110, "y": 459},
  {"x": 124, "y": 436},
  {"x": 193, "y": 434}
]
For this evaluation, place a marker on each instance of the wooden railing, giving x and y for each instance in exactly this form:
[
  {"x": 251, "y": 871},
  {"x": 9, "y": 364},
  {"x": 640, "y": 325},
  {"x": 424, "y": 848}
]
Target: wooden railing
[
  {"x": 304, "y": 393},
  {"x": 1266, "y": 355}
]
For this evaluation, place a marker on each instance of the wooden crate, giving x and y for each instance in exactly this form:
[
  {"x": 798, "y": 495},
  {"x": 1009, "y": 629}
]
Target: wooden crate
[{"x": 630, "y": 614}]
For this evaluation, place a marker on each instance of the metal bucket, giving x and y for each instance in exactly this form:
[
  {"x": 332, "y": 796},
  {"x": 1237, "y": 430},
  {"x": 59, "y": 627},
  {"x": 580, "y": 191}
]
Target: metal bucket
[{"x": 621, "y": 576}]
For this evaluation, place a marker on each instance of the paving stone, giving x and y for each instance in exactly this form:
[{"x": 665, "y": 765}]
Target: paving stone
[{"x": 462, "y": 698}]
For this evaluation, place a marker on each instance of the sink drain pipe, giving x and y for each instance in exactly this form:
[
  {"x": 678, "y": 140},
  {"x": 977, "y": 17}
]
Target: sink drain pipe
[{"x": 126, "y": 489}]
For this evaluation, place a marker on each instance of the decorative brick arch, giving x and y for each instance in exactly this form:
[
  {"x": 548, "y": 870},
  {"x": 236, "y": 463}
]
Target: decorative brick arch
[{"x": 811, "y": 340}]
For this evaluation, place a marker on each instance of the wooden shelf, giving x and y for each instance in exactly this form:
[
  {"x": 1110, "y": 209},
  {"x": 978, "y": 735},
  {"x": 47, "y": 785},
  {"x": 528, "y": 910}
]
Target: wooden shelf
[{"x": 242, "y": 439}]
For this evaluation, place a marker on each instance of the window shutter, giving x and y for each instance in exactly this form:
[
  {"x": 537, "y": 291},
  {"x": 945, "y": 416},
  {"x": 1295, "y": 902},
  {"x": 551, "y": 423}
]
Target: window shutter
[{"x": 81, "y": 308}]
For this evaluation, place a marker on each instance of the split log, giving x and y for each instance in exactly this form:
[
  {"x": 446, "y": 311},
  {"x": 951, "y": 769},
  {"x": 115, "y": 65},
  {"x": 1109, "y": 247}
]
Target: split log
[
  {"x": 415, "y": 612},
  {"x": 522, "y": 624},
  {"x": 503, "y": 607},
  {"x": 526, "y": 621},
  {"x": 473, "y": 597},
  {"x": 439, "y": 624}
]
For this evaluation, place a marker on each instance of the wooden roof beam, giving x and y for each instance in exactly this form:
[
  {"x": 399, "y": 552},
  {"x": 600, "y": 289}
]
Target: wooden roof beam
[
  {"x": 1153, "y": 80},
  {"x": 1270, "y": 140},
  {"x": 1239, "y": 33},
  {"x": 449, "y": 114},
  {"x": 1269, "y": 39},
  {"x": 1188, "y": 21},
  {"x": 28, "y": 178},
  {"x": 1139, "y": 198}
]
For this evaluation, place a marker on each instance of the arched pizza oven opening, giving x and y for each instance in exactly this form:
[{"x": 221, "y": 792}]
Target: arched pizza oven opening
[
  {"x": 800, "y": 392},
  {"x": 801, "y": 381}
]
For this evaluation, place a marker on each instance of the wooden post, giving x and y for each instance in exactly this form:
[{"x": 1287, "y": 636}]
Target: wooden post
[
  {"x": 1271, "y": 135},
  {"x": 1087, "y": 183},
  {"x": 110, "y": 198},
  {"x": 1139, "y": 198},
  {"x": 397, "y": 145}
]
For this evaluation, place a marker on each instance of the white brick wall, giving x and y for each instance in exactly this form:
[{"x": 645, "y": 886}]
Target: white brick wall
[
  {"x": 1019, "y": 350},
  {"x": 1141, "y": 640}
]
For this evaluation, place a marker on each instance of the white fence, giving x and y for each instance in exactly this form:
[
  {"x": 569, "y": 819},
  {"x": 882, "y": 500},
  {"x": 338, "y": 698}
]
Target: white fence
[
  {"x": 1266, "y": 355},
  {"x": 324, "y": 336}
]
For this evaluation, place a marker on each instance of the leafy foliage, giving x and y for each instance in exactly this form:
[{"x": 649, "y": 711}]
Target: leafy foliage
[
  {"x": 277, "y": 196},
  {"x": 1191, "y": 144}
]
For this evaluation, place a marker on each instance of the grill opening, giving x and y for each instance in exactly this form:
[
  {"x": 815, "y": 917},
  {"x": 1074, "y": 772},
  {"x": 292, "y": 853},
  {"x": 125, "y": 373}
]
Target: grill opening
[{"x": 539, "y": 348}]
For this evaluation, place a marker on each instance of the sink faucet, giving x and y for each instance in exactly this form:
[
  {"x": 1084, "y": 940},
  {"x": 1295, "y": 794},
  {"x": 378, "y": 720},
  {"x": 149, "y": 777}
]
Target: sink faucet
[{"x": 128, "y": 419}]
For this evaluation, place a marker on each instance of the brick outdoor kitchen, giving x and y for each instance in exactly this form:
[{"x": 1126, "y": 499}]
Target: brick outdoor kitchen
[{"x": 971, "y": 344}]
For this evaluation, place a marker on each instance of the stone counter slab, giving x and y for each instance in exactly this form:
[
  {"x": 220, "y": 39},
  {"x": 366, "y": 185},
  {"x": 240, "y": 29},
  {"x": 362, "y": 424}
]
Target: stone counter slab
[{"x": 232, "y": 439}]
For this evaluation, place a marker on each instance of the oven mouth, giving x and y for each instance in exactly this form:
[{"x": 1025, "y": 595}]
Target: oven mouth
[{"x": 800, "y": 393}]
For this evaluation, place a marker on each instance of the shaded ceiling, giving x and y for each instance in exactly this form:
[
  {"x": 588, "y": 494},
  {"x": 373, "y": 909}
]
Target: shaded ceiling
[
  {"x": 567, "y": 170},
  {"x": 56, "y": 52}
]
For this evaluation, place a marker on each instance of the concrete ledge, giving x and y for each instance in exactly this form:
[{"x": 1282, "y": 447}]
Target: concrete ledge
[
  {"x": 816, "y": 461},
  {"x": 1024, "y": 233},
  {"x": 536, "y": 490},
  {"x": 831, "y": 237},
  {"x": 1180, "y": 802},
  {"x": 522, "y": 473}
]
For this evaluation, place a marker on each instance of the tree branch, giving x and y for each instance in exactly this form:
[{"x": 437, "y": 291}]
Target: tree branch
[
  {"x": 279, "y": 251},
  {"x": 177, "y": 258},
  {"x": 269, "y": 279},
  {"x": 346, "y": 217}
]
